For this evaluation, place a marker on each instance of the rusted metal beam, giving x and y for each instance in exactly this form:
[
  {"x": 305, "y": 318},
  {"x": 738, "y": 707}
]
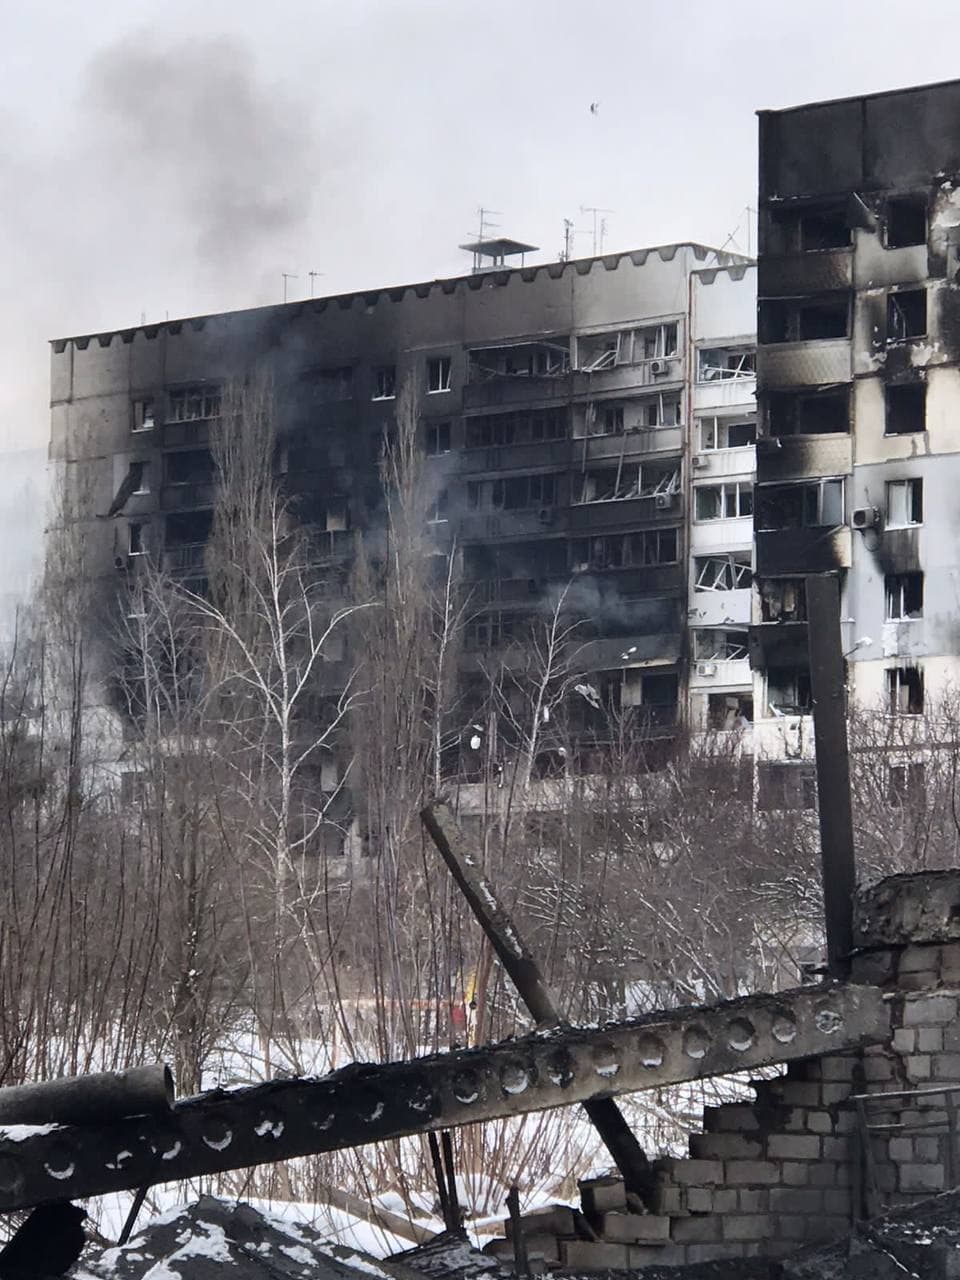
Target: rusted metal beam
[
  {"x": 828, "y": 689},
  {"x": 361, "y": 1104},
  {"x": 604, "y": 1114}
]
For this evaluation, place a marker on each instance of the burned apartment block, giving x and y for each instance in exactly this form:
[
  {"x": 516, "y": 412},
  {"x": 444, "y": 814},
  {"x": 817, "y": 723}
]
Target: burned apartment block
[
  {"x": 563, "y": 408},
  {"x": 858, "y": 455}
]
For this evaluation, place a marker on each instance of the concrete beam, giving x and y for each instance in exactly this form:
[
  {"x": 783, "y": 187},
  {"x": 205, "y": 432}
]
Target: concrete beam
[{"x": 365, "y": 1103}]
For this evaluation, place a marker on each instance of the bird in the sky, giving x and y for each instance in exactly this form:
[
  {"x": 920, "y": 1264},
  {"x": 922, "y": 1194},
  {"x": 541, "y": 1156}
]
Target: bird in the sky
[{"x": 594, "y": 108}]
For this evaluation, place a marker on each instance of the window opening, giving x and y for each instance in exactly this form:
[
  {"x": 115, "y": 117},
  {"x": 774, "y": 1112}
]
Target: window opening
[
  {"x": 726, "y": 433},
  {"x": 906, "y": 314},
  {"x": 907, "y": 785},
  {"x": 823, "y": 229},
  {"x": 632, "y": 550},
  {"x": 438, "y": 374},
  {"x": 783, "y": 600},
  {"x": 786, "y": 320},
  {"x": 719, "y": 646},
  {"x": 809, "y": 413},
  {"x": 730, "y": 572},
  {"x": 904, "y": 503},
  {"x": 905, "y": 691},
  {"x": 143, "y": 415},
  {"x": 786, "y": 786},
  {"x": 190, "y": 404},
  {"x": 906, "y": 221},
  {"x": 788, "y": 691},
  {"x": 726, "y": 711},
  {"x": 906, "y": 408},
  {"x": 438, "y": 439},
  {"x": 136, "y": 540},
  {"x": 800, "y": 506},
  {"x": 721, "y": 364},
  {"x": 723, "y": 501},
  {"x": 385, "y": 382},
  {"x": 904, "y": 594}
]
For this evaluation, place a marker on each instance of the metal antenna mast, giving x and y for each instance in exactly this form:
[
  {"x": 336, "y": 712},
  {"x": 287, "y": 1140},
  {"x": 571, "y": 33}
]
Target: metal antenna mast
[
  {"x": 314, "y": 275},
  {"x": 599, "y": 228},
  {"x": 287, "y": 275}
]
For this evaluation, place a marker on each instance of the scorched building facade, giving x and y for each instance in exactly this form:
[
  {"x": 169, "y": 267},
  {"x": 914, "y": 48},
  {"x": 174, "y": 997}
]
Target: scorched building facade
[{"x": 559, "y": 409}]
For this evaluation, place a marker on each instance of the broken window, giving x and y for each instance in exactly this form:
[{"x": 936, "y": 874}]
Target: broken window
[
  {"x": 790, "y": 320},
  {"x": 729, "y": 572},
  {"x": 489, "y": 631},
  {"x": 906, "y": 221},
  {"x": 906, "y": 314},
  {"x": 718, "y": 364},
  {"x": 783, "y": 600},
  {"x": 613, "y": 419},
  {"x": 726, "y": 433},
  {"x": 439, "y": 509},
  {"x": 140, "y": 471},
  {"x": 907, "y": 785},
  {"x": 438, "y": 439},
  {"x": 190, "y": 404},
  {"x": 438, "y": 374},
  {"x": 904, "y": 503},
  {"x": 825, "y": 228},
  {"x": 136, "y": 538},
  {"x": 786, "y": 786},
  {"x": 518, "y": 360},
  {"x": 190, "y": 466},
  {"x": 631, "y": 480},
  {"x": 904, "y": 595},
  {"x": 385, "y": 382},
  {"x": 517, "y": 428},
  {"x": 729, "y": 711},
  {"x": 662, "y": 410},
  {"x": 712, "y": 645},
  {"x": 905, "y": 691},
  {"x": 617, "y": 550},
  {"x": 597, "y": 351},
  {"x": 723, "y": 501},
  {"x": 817, "y": 504},
  {"x": 143, "y": 415},
  {"x": 809, "y": 413},
  {"x": 788, "y": 691},
  {"x": 906, "y": 408}
]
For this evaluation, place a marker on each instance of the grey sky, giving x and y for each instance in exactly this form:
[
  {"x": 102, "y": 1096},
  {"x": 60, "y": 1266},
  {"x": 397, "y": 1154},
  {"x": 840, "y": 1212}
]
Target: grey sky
[{"x": 176, "y": 157}]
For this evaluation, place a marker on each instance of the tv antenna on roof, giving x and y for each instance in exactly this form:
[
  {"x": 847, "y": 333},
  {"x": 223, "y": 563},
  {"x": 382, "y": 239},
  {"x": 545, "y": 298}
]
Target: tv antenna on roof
[
  {"x": 287, "y": 275},
  {"x": 599, "y": 225},
  {"x": 495, "y": 248}
]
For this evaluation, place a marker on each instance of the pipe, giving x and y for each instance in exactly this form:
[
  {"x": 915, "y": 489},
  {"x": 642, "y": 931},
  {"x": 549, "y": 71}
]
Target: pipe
[{"x": 139, "y": 1091}]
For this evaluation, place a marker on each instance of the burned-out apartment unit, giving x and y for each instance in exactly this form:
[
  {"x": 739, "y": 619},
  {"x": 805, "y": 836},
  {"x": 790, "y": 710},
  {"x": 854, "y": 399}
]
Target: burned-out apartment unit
[
  {"x": 858, "y": 455},
  {"x": 557, "y": 406}
]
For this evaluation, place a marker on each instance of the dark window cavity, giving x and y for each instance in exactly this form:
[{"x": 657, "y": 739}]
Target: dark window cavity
[
  {"x": 907, "y": 785},
  {"x": 906, "y": 221},
  {"x": 144, "y": 416},
  {"x": 786, "y": 786},
  {"x": 906, "y": 408},
  {"x": 810, "y": 413},
  {"x": 385, "y": 382},
  {"x": 800, "y": 506},
  {"x": 438, "y": 439},
  {"x": 904, "y": 594},
  {"x": 906, "y": 314},
  {"x": 905, "y": 691},
  {"x": 806, "y": 320},
  {"x": 824, "y": 229},
  {"x": 788, "y": 690}
]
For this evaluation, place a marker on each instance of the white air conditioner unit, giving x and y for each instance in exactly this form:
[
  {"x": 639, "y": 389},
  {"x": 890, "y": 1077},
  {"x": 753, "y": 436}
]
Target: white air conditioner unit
[
  {"x": 866, "y": 517},
  {"x": 659, "y": 367},
  {"x": 700, "y": 461},
  {"x": 663, "y": 501},
  {"x": 706, "y": 668}
]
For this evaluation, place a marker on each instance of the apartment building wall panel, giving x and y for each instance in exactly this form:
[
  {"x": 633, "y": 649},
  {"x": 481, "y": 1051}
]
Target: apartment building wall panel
[
  {"x": 802, "y": 550},
  {"x": 804, "y": 364},
  {"x": 796, "y": 457},
  {"x": 805, "y": 273}
]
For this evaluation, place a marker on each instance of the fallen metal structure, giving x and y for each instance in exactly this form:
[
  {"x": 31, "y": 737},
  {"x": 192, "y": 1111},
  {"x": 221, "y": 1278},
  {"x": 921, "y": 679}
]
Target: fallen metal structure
[{"x": 281, "y": 1119}]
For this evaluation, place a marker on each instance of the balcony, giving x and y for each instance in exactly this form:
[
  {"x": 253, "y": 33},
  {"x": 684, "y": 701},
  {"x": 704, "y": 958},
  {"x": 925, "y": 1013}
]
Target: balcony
[
  {"x": 727, "y": 673},
  {"x": 186, "y": 560},
  {"x": 778, "y": 644},
  {"x": 725, "y": 462},
  {"x": 193, "y": 432},
  {"x": 721, "y": 534},
  {"x": 516, "y": 391},
  {"x": 720, "y": 608},
  {"x": 513, "y": 457},
  {"x": 804, "y": 457},
  {"x": 490, "y": 526},
  {"x": 619, "y": 513},
  {"x": 187, "y": 497},
  {"x": 631, "y": 444},
  {"x": 816, "y": 363},
  {"x": 648, "y": 375},
  {"x": 726, "y": 393},
  {"x": 814, "y": 550},
  {"x": 804, "y": 273}
]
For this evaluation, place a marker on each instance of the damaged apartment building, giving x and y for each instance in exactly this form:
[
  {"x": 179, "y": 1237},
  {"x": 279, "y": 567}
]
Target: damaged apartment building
[
  {"x": 588, "y": 425},
  {"x": 858, "y": 452}
]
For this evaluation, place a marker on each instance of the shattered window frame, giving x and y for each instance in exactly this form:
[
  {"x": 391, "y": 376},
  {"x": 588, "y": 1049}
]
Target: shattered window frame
[
  {"x": 728, "y": 363},
  {"x": 907, "y": 784},
  {"x": 730, "y": 571},
  {"x": 136, "y": 538},
  {"x": 734, "y": 500},
  {"x": 719, "y": 644},
  {"x": 905, "y": 694},
  {"x": 144, "y": 414},
  {"x": 385, "y": 382},
  {"x": 437, "y": 443},
  {"x": 904, "y": 319},
  {"x": 196, "y": 403},
  {"x": 714, "y": 432}
]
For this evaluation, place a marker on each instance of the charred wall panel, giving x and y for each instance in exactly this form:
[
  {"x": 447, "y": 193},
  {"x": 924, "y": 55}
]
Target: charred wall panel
[
  {"x": 815, "y": 150},
  {"x": 804, "y": 364},
  {"x": 911, "y": 135},
  {"x": 803, "y": 273},
  {"x": 802, "y": 551},
  {"x": 799, "y": 457}
]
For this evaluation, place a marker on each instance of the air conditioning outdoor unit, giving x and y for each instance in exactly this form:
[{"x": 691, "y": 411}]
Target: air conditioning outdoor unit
[
  {"x": 706, "y": 668},
  {"x": 866, "y": 517},
  {"x": 659, "y": 367},
  {"x": 663, "y": 501},
  {"x": 700, "y": 462}
]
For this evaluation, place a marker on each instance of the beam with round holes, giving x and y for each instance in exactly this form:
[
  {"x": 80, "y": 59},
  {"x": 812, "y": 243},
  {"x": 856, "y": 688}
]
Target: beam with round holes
[{"x": 361, "y": 1104}]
